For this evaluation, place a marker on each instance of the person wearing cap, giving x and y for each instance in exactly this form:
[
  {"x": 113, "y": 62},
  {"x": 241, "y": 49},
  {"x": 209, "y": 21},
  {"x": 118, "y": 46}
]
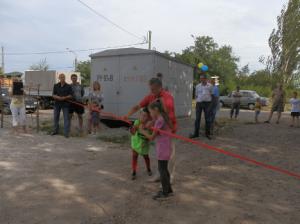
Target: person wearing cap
[{"x": 203, "y": 95}]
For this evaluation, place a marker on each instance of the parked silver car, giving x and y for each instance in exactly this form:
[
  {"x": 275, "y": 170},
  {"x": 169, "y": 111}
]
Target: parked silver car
[{"x": 248, "y": 99}]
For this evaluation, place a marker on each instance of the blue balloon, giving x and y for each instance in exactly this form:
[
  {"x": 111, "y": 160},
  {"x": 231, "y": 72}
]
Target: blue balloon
[{"x": 204, "y": 68}]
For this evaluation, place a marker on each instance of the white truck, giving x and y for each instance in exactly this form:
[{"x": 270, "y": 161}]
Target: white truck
[{"x": 40, "y": 83}]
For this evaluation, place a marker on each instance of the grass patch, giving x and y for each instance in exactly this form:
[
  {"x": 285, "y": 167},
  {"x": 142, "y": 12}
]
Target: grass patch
[
  {"x": 47, "y": 127},
  {"x": 224, "y": 125}
]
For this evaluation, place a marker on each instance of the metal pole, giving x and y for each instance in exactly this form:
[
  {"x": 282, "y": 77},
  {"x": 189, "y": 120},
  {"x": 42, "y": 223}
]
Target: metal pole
[
  {"x": 1, "y": 107},
  {"x": 2, "y": 65},
  {"x": 75, "y": 63},
  {"x": 75, "y": 60},
  {"x": 38, "y": 110},
  {"x": 149, "y": 39}
]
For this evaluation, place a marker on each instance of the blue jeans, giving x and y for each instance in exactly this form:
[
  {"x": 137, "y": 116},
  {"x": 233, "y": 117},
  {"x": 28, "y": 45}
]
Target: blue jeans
[
  {"x": 65, "y": 109},
  {"x": 213, "y": 110}
]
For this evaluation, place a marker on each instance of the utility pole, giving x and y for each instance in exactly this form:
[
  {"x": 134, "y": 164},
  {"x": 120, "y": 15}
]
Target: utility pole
[
  {"x": 75, "y": 60},
  {"x": 2, "y": 64},
  {"x": 149, "y": 39}
]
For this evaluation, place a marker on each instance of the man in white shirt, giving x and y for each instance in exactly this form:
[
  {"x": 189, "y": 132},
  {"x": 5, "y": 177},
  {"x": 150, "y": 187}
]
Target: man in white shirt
[{"x": 203, "y": 94}]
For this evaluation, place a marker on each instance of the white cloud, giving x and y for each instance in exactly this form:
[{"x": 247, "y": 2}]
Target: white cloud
[{"x": 39, "y": 25}]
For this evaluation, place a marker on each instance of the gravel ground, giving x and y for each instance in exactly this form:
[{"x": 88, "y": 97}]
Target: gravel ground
[{"x": 84, "y": 180}]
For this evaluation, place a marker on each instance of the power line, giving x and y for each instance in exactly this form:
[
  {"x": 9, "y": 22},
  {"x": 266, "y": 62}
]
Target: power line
[
  {"x": 66, "y": 51},
  {"x": 110, "y": 21}
]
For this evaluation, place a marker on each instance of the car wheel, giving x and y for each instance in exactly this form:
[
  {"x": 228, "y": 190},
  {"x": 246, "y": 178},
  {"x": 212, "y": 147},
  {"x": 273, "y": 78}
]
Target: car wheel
[{"x": 251, "y": 106}]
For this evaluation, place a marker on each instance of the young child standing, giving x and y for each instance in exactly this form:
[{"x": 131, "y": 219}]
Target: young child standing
[
  {"x": 258, "y": 107},
  {"x": 95, "y": 106},
  {"x": 162, "y": 145},
  {"x": 295, "y": 112},
  {"x": 139, "y": 143}
]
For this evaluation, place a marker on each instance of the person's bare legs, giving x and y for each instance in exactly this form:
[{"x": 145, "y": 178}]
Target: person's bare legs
[
  {"x": 172, "y": 163},
  {"x": 24, "y": 129},
  {"x": 293, "y": 121},
  {"x": 80, "y": 122},
  {"x": 278, "y": 117},
  {"x": 171, "y": 166},
  {"x": 90, "y": 124},
  {"x": 270, "y": 117}
]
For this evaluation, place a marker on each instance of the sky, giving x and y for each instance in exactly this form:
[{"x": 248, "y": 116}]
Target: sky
[{"x": 54, "y": 25}]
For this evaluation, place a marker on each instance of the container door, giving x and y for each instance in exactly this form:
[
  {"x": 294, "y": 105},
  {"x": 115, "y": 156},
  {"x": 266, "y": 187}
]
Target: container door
[
  {"x": 135, "y": 72},
  {"x": 106, "y": 71}
]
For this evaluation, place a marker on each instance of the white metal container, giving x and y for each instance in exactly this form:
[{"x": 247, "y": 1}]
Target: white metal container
[
  {"x": 45, "y": 80},
  {"x": 124, "y": 75}
]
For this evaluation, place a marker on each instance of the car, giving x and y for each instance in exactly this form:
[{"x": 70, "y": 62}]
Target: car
[
  {"x": 248, "y": 99},
  {"x": 30, "y": 102}
]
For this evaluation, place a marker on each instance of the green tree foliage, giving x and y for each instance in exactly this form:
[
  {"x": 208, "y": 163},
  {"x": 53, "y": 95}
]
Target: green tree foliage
[
  {"x": 84, "y": 67},
  {"x": 220, "y": 60},
  {"x": 42, "y": 65},
  {"x": 284, "y": 63}
]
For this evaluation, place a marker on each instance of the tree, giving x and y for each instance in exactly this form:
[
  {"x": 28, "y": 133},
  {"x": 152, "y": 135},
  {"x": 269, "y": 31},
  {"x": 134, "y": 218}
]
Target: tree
[
  {"x": 42, "y": 65},
  {"x": 84, "y": 67},
  {"x": 220, "y": 60},
  {"x": 284, "y": 63}
]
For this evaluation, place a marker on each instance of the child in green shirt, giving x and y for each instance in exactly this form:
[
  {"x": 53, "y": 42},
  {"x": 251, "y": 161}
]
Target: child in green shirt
[{"x": 139, "y": 143}]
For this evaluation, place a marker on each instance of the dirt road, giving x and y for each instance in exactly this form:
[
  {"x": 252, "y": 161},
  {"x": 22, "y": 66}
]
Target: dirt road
[{"x": 45, "y": 179}]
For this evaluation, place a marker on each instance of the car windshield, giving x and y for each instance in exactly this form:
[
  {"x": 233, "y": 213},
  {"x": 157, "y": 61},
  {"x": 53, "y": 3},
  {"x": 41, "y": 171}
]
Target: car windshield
[{"x": 255, "y": 94}]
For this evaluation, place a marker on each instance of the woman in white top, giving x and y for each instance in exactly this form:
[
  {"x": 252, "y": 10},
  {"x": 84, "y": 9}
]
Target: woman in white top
[
  {"x": 295, "y": 111},
  {"x": 17, "y": 106}
]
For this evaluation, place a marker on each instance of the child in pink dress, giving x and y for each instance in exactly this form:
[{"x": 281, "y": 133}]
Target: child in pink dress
[{"x": 162, "y": 146}]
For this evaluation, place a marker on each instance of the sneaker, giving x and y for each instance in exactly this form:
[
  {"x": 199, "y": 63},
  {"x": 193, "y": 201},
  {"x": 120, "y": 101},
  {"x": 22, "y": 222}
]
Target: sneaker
[
  {"x": 160, "y": 195},
  {"x": 133, "y": 176},
  {"x": 149, "y": 173},
  {"x": 193, "y": 136},
  {"x": 267, "y": 122},
  {"x": 54, "y": 133}
]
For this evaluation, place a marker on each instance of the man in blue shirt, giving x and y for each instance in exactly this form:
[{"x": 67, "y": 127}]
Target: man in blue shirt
[{"x": 214, "y": 103}]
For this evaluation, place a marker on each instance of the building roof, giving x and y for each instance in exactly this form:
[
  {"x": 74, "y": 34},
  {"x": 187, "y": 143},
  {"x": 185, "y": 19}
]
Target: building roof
[
  {"x": 121, "y": 51},
  {"x": 132, "y": 51}
]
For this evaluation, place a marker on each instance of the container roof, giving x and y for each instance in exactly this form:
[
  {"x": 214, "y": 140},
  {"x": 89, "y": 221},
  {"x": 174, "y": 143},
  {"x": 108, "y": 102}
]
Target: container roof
[
  {"x": 121, "y": 51},
  {"x": 132, "y": 51}
]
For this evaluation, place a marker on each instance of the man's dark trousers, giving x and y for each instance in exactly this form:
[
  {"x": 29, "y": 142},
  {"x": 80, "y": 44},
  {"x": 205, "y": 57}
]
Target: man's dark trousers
[
  {"x": 65, "y": 109},
  {"x": 205, "y": 107}
]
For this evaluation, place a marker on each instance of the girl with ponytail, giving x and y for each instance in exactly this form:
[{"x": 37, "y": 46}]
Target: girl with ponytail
[{"x": 162, "y": 145}]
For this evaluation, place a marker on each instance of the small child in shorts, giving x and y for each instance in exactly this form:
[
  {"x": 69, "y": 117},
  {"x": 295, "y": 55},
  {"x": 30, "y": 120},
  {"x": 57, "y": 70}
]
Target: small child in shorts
[
  {"x": 139, "y": 143},
  {"x": 295, "y": 111}
]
